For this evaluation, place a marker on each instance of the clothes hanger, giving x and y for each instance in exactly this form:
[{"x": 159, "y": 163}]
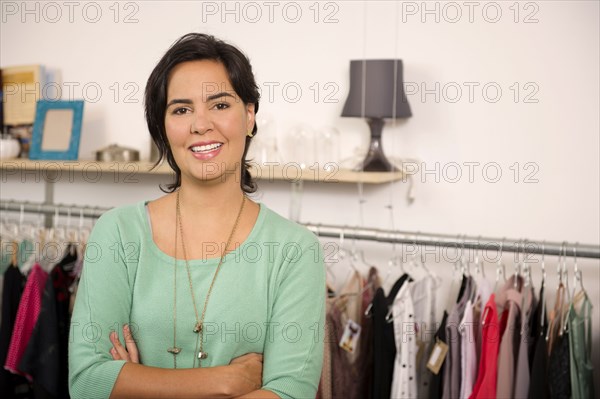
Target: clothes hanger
[
  {"x": 559, "y": 294},
  {"x": 455, "y": 280},
  {"x": 430, "y": 273},
  {"x": 351, "y": 262},
  {"x": 565, "y": 298},
  {"x": 412, "y": 265},
  {"x": 542, "y": 290},
  {"x": 500, "y": 267},
  {"x": 479, "y": 264},
  {"x": 577, "y": 280},
  {"x": 577, "y": 275},
  {"x": 479, "y": 271},
  {"x": 517, "y": 267}
]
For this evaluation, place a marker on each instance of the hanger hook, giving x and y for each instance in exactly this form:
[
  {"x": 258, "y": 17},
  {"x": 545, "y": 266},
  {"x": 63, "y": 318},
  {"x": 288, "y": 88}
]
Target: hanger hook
[
  {"x": 478, "y": 247},
  {"x": 421, "y": 253},
  {"x": 479, "y": 262},
  {"x": 501, "y": 250},
  {"x": 517, "y": 264},
  {"x": 80, "y": 218},
  {"x": 543, "y": 261},
  {"x": 21, "y": 216},
  {"x": 564, "y": 264},
  {"x": 558, "y": 265},
  {"x": 575, "y": 267}
]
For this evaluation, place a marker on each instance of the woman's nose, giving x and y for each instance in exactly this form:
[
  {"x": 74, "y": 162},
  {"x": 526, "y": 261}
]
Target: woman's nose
[{"x": 201, "y": 123}]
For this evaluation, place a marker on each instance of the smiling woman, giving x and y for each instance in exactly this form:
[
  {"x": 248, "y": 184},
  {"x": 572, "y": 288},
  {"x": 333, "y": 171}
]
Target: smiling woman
[
  {"x": 213, "y": 71},
  {"x": 202, "y": 292},
  {"x": 219, "y": 122}
]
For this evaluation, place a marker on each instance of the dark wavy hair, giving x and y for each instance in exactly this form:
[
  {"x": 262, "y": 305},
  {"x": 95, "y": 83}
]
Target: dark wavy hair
[{"x": 193, "y": 47}]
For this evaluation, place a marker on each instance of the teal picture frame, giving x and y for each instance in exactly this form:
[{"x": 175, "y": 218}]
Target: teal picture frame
[{"x": 36, "y": 150}]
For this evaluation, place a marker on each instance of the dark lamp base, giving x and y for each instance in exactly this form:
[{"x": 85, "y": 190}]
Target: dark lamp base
[{"x": 375, "y": 160}]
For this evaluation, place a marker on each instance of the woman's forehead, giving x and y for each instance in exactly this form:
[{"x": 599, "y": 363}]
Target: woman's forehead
[{"x": 205, "y": 77}]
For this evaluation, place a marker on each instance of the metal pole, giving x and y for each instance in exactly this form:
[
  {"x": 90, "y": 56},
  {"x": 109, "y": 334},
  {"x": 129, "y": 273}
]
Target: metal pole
[{"x": 378, "y": 235}]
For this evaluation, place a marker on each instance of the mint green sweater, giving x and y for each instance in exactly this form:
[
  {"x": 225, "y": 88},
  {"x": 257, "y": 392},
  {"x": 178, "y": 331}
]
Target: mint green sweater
[{"x": 268, "y": 298}]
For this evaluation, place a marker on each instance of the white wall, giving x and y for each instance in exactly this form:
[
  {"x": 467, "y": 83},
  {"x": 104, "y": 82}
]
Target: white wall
[{"x": 549, "y": 50}]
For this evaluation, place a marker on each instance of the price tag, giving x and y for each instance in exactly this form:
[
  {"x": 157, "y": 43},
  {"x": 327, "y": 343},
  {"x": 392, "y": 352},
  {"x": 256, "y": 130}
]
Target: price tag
[
  {"x": 349, "y": 339},
  {"x": 437, "y": 357}
]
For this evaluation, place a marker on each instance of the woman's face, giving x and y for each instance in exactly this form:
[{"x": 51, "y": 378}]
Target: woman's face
[{"x": 206, "y": 122}]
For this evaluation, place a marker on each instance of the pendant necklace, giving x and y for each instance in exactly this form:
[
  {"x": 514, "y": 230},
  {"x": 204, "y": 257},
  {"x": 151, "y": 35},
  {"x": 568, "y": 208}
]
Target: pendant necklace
[{"x": 199, "y": 352}]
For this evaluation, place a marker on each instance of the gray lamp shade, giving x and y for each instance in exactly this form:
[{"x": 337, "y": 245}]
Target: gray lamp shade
[{"x": 377, "y": 101}]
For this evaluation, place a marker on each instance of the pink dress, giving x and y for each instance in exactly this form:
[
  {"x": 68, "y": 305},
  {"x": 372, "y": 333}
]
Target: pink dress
[{"x": 27, "y": 315}]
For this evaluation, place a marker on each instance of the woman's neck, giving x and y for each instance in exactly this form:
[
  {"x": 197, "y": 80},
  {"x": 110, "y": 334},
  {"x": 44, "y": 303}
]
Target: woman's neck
[{"x": 209, "y": 200}]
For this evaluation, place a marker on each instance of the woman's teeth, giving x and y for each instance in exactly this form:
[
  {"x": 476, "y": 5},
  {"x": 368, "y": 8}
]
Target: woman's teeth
[{"x": 206, "y": 148}]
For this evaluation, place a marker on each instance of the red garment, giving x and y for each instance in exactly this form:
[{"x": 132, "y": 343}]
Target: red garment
[
  {"x": 27, "y": 315},
  {"x": 485, "y": 386}
]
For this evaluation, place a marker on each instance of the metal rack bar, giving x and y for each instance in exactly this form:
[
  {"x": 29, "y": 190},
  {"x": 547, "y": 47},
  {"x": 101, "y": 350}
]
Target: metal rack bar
[
  {"x": 378, "y": 235},
  {"x": 51, "y": 209},
  {"x": 460, "y": 242}
]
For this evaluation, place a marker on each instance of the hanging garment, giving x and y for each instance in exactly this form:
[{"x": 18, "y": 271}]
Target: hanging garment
[
  {"x": 508, "y": 351},
  {"x": 13, "y": 285},
  {"x": 365, "y": 358},
  {"x": 324, "y": 390},
  {"x": 29, "y": 309},
  {"x": 559, "y": 374},
  {"x": 485, "y": 385},
  {"x": 538, "y": 384},
  {"x": 536, "y": 324},
  {"x": 384, "y": 346},
  {"x": 556, "y": 318},
  {"x": 413, "y": 318},
  {"x": 341, "y": 372},
  {"x": 452, "y": 371},
  {"x": 424, "y": 299},
  {"x": 484, "y": 290},
  {"x": 522, "y": 373},
  {"x": 468, "y": 352},
  {"x": 580, "y": 345},
  {"x": 436, "y": 384},
  {"x": 346, "y": 308},
  {"x": 45, "y": 358}
]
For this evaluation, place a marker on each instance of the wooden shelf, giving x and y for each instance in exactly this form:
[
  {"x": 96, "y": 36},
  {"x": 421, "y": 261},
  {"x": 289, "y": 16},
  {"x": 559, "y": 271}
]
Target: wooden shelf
[{"x": 290, "y": 172}]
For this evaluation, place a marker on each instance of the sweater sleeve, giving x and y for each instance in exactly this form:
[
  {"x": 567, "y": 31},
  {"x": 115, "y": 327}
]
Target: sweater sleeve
[
  {"x": 102, "y": 305},
  {"x": 293, "y": 353}
]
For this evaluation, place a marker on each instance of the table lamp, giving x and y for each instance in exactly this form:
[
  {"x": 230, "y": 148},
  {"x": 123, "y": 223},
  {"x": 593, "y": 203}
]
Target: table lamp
[{"x": 376, "y": 92}]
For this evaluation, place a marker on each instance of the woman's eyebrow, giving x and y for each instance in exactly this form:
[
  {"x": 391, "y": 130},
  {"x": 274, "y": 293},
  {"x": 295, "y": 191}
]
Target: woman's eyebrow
[
  {"x": 219, "y": 95},
  {"x": 179, "y": 101},
  {"x": 209, "y": 98}
]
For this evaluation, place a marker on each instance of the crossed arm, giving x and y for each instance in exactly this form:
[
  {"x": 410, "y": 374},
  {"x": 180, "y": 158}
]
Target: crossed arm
[{"x": 242, "y": 378}]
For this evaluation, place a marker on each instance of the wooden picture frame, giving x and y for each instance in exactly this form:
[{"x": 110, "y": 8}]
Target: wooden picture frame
[{"x": 56, "y": 130}]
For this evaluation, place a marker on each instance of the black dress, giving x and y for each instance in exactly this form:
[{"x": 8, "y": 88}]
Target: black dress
[
  {"x": 11, "y": 385},
  {"x": 384, "y": 345},
  {"x": 538, "y": 384},
  {"x": 436, "y": 384}
]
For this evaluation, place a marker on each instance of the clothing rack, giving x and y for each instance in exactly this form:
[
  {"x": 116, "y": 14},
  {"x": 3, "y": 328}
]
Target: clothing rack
[{"x": 359, "y": 233}]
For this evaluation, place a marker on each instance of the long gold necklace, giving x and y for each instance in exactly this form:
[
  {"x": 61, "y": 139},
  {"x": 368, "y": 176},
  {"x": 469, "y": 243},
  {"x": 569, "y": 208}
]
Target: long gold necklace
[{"x": 198, "y": 327}]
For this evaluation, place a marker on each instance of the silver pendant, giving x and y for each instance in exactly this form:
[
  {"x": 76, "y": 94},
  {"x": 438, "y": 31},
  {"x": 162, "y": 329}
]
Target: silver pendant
[
  {"x": 202, "y": 355},
  {"x": 174, "y": 350},
  {"x": 198, "y": 327}
]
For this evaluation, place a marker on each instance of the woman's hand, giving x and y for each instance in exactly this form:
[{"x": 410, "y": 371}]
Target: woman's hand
[
  {"x": 128, "y": 353},
  {"x": 246, "y": 374}
]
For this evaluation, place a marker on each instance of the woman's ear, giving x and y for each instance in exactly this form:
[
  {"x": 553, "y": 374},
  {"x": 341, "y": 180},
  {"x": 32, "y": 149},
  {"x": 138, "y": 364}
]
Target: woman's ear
[{"x": 250, "y": 117}]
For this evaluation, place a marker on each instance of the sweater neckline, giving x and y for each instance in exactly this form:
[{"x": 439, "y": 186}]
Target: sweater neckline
[{"x": 250, "y": 239}]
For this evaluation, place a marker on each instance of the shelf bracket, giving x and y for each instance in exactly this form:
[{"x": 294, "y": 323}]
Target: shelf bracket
[
  {"x": 49, "y": 179},
  {"x": 296, "y": 200}
]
